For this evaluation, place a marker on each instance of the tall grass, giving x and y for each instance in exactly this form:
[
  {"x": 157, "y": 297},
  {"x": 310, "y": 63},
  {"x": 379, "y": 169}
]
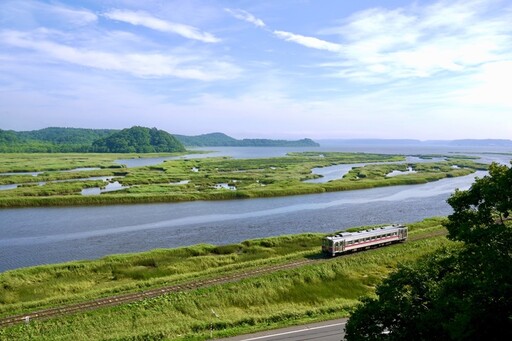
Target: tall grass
[
  {"x": 253, "y": 178},
  {"x": 312, "y": 292}
]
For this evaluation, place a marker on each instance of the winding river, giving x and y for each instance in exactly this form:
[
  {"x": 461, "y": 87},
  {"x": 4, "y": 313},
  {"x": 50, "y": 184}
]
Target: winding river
[{"x": 33, "y": 236}]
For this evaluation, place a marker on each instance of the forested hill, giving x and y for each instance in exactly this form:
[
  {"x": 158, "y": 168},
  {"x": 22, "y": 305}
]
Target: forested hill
[
  {"x": 135, "y": 139},
  {"x": 75, "y": 136},
  {"x": 138, "y": 140},
  {"x": 65, "y": 140},
  {"x": 220, "y": 139},
  {"x": 51, "y": 140}
]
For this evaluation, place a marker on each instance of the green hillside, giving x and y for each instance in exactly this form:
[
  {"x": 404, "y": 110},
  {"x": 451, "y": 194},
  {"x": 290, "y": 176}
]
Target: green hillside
[
  {"x": 138, "y": 140},
  {"x": 79, "y": 140},
  {"x": 220, "y": 139},
  {"x": 50, "y": 140},
  {"x": 76, "y": 136}
]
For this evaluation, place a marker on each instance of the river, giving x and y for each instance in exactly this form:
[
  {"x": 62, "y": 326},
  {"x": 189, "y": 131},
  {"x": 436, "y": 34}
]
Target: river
[{"x": 33, "y": 236}]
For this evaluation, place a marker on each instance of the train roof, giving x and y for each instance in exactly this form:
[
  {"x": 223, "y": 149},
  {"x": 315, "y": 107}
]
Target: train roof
[{"x": 366, "y": 233}]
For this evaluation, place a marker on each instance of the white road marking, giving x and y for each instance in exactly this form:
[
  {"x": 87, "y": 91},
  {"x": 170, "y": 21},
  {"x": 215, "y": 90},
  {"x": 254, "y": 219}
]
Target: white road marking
[{"x": 295, "y": 331}]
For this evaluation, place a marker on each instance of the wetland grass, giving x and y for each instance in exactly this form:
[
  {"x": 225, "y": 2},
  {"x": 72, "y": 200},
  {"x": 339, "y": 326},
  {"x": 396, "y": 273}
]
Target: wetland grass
[
  {"x": 312, "y": 292},
  {"x": 247, "y": 178}
]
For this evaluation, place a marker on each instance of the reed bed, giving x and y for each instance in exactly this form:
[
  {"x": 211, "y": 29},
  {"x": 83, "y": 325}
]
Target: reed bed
[
  {"x": 199, "y": 179},
  {"x": 310, "y": 293}
]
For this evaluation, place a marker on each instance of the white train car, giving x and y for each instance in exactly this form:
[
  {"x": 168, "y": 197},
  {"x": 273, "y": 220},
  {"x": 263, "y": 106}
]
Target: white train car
[{"x": 354, "y": 241}]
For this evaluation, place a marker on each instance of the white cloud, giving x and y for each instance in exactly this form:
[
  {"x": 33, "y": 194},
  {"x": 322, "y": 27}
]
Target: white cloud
[
  {"x": 246, "y": 16},
  {"x": 379, "y": 45},
  {"x": 310, "y": 42},
  {"x": 77, "y": 16},
  {"x": 146, "y": 65},
  {"x": 28, "y": 13},
  {"x": 141, "y": 18},
  {"x": 489, "y": 88}
]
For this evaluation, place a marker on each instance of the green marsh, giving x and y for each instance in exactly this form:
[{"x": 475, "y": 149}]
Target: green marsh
[
  {"x": 203, "y": 179},
  {"x": 313, "y": 292}
]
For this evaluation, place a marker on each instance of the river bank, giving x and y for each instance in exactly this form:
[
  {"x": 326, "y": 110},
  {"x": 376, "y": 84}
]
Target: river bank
[
  {"x": 317, "y": 290},
  {"x": 215, "y": 178}
]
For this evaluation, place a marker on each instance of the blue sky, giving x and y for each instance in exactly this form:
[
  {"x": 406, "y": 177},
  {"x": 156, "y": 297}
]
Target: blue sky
[{"x": 278, "y": 69}]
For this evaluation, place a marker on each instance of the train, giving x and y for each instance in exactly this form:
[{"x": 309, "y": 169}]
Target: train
[{"x": 355, "y": 241}]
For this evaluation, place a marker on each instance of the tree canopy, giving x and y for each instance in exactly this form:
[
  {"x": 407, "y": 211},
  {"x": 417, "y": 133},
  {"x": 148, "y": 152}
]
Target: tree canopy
[
  {"x": 462, "y": 292},
  {"x": 220, "y": 139},
  {"x": 138, "y": 140},
  {"x": 63, "y": 140}
]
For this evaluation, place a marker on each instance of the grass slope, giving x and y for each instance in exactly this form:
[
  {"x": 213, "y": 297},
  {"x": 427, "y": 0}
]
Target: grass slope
[{"x": 311, "y": 293}]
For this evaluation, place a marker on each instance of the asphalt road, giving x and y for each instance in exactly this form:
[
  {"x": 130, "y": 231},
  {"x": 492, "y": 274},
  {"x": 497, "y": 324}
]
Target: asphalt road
[{"x": 324, "y": 331}]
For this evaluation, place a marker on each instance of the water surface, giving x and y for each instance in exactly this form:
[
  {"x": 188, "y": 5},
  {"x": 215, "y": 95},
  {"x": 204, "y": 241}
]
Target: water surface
[{"x": 32, "y": 236}]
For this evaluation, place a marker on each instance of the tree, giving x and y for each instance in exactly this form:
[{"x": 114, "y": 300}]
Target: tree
[
  {"x": 138, "y": 140},
  {"x": 480, "y": 212},
  {"x": 463, "y": 292}
]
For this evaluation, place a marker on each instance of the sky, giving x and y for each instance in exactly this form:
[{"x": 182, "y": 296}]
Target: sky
[{"x": 289, "y": 69}]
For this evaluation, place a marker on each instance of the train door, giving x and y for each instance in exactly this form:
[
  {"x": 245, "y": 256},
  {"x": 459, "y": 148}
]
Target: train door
[
  {"x": 339, "y": 246},
  {"x": 402, "y": 234}
]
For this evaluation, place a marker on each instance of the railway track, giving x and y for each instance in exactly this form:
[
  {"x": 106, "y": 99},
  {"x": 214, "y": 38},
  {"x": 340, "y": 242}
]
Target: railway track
[{"x": 137, "y": 296}]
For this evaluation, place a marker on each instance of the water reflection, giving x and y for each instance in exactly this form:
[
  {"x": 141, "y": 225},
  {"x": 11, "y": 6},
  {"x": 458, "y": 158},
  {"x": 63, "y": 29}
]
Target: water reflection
[
  {"x": 22, "y": 173},
  {"x": 111, "y": 186},
  {"x": 398, "y": 172}
]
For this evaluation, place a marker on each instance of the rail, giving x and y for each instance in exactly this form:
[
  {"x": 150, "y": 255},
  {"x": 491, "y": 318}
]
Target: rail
[{"x": 137, "y": 296}]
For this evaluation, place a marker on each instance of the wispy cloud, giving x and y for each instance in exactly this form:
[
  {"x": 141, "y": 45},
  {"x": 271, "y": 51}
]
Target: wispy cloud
[
  {"x": 77, "y": 16},
  {"x": 310, "y": 42},
  {"x": 246, "y": 16},
  {"x": 15, "y": 12},
  {"x": 141, "y": 18},
  {"x": 145, "y": 65},
  {"x": 417, "y": 42},
  {"x": 379, "y": 45}
]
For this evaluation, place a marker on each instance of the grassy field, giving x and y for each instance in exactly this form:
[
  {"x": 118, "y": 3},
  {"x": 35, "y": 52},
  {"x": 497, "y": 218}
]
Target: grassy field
[
  {"x": 202, "y": 179},
  {"x": 314, "y": 292}
]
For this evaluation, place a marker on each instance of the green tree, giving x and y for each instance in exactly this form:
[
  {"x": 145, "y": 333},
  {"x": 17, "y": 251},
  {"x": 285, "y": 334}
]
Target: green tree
[
  {"x": 462, "y": 292},
  {"x": 138, "y": 140},
  {"x": 480, "y": 212}
]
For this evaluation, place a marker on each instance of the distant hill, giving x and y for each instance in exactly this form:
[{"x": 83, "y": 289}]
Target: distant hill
[
  {"x": 51, "y": 140},
  {"x": 223, "y": 140},
  {"x": 135, "y": 139},
  {"x": 483, "y": 143},
  {"x": 76, "y": 136},
  {"x": 138, "y": 140},
  {"x": 207, "y": 140},
  {"x": 412, "y": 142}
]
